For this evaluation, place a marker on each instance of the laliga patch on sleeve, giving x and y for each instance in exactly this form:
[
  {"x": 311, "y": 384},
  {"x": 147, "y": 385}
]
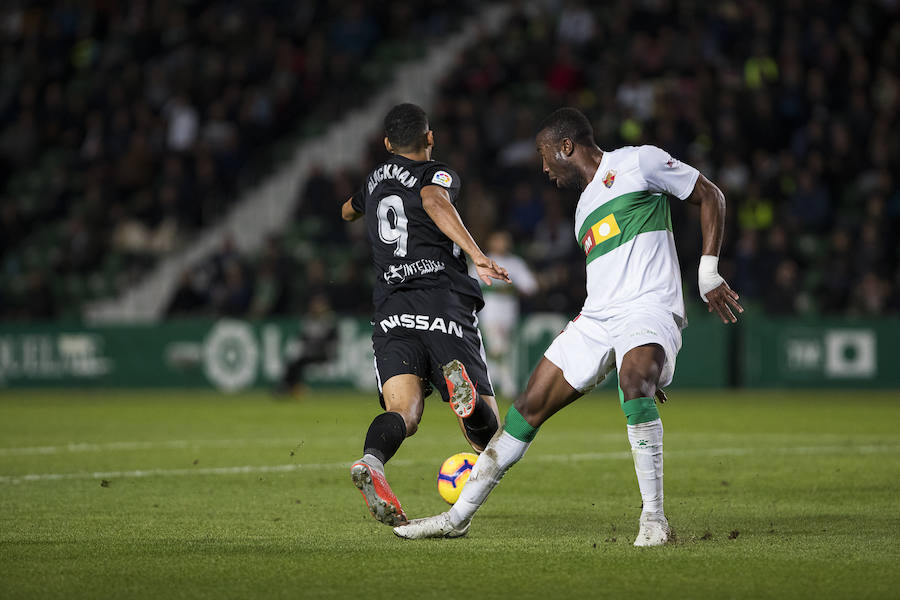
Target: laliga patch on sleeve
[
  {"x": 442, "y": 178},
  {"x": 672, "y": 163}
]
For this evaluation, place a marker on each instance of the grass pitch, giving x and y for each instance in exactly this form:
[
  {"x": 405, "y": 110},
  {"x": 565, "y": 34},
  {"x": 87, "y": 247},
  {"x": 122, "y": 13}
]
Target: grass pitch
[{"x": 197, "y": 495}]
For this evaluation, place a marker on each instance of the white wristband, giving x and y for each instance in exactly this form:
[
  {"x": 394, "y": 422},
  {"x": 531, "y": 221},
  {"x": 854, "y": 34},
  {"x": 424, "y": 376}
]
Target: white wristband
[{"x": 708, "y": 277}]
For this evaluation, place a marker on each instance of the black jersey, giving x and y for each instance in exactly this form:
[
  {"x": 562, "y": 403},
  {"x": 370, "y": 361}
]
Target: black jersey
[{"x": 408, "y": 249}]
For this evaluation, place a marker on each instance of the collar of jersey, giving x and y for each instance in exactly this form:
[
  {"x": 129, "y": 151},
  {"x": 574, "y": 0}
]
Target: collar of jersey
[{"x": 603, "y": 161}]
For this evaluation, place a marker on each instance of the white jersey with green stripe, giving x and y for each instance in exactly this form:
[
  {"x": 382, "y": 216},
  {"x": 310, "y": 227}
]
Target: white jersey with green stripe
[{"x": 624, "y": 226}]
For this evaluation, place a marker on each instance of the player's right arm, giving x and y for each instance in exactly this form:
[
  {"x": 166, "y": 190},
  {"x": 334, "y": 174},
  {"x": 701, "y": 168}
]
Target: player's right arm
[
  {"x": 348, "y": 212},
  {"x": 436, "y": 202}
]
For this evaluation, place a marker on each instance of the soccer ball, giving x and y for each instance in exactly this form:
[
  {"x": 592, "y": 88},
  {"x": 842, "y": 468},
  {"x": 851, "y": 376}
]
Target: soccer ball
[{"x": 454, "y": 474}]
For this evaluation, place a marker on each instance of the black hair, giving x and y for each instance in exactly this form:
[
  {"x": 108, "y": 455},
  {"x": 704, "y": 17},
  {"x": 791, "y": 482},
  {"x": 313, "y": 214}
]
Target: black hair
[
  {"x": 405, "y": 126},
  {"x": 569, "y": 123}
]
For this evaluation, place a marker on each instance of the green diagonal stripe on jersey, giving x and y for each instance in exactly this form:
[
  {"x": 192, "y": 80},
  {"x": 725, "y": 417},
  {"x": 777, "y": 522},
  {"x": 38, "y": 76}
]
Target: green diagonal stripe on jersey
[{"x": 621, "y": 219}]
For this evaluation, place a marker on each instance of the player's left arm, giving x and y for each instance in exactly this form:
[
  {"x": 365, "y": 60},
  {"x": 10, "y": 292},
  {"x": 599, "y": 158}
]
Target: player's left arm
[
  {"x": 436, "y": 202},
  {"x": 713, "y": 288},
  {"x": 666, "y": 174}
]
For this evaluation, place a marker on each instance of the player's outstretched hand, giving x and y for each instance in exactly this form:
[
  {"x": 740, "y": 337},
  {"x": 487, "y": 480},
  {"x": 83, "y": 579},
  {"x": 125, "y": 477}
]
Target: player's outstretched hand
[
  {"x": 724, "y": 301},
  {"x": 487, "y": 269}
]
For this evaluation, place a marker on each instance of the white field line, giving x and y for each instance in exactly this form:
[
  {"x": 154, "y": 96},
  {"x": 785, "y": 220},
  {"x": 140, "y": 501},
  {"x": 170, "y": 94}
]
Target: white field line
[
  {"x": 86, "y": 447},
  {"x": 547, "y": 458},
  {"x": 173, "y": 444}
]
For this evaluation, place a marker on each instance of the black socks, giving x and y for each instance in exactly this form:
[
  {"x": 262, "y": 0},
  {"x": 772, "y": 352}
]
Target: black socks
[
  {"x": 386, "y": 433},
  {"x": 481, "y": 424},
  {"x": 388, "y": 430}
]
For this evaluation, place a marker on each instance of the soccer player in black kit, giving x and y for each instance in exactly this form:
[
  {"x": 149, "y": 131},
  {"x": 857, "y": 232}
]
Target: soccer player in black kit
[{"x": 425, "y": 332}]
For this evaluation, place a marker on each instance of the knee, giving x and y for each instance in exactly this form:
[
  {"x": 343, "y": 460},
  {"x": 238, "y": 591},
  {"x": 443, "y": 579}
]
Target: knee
[
  {"x": 412, "y": 424},
  {"x": 636, "y": 384},
  {"x": 410, "y": 420}
]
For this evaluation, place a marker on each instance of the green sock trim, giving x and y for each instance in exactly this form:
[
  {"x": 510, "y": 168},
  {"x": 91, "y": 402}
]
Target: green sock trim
[
  {"x": 639, "y": 410},
  {"x": 516, "y": 426}
]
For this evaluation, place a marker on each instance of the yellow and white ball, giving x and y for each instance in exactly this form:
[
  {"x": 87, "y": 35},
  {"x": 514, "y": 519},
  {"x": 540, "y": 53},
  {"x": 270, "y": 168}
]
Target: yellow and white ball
[{"x": 454, "y": 474}]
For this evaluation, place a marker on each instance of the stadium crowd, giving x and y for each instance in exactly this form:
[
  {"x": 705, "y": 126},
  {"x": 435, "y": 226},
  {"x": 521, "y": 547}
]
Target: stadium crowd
[
  {"x": 130, "y": 143},
  {"x": 794, "y": 116},
  {"x": 126, "y": 127}
]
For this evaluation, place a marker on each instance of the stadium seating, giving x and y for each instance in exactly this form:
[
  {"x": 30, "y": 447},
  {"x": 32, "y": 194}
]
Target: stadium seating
[
  {"x": 798, "y": 132},
  {"x": 125, "y": 130},
  {"x": 798, "y": 140}
]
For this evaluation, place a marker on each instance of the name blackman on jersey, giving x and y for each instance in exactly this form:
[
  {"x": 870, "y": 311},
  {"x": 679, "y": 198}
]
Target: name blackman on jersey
[
  {"x": 390, "y": 171},
  {"x": 409, "y": 252}
]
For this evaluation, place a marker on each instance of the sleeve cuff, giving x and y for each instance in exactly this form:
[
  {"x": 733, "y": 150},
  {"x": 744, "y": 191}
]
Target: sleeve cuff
[{"x": 688, "y": 189}]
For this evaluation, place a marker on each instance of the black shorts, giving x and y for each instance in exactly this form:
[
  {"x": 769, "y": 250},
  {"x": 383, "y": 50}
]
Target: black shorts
[{"x": 418, "y": 331}]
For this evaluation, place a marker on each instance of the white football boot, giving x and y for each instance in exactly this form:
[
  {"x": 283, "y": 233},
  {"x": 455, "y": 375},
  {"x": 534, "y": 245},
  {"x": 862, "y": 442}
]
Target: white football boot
[
  {"x": 438, "y": 526},
  {"x": 654, "y": 530}
]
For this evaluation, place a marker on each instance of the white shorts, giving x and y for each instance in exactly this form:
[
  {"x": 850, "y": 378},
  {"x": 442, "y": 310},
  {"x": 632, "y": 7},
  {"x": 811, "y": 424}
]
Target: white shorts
[{"x": 588, "y": 348}]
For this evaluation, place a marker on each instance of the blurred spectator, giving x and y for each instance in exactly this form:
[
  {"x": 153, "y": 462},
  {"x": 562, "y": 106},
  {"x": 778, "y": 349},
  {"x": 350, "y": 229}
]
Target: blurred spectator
[
  {"x": 316, "y": 282},
  {"x": 268, "y": 292},
  {"x": 41, "y": 304},
  {"x": 356, "y": 32},
  {"x": 871, "y": 251},
  {"x": 576, "y": 24},
  {"x": 183, "y": 123},
  {"x": 271, "y": 295},
  {"x": 810, "y": 204},
  {"x": 526, "y": 211},
  {"x": 747, "y": 277},
  {"x": 837, "y": 279},
  {"x": 190, "y": 296},
  {"x": 636, "y": 97},
  {"x": 351, "y": 292},
  {"x": 871, "y": 295},
  {"x": 781, "y": 294},
  {"x": 318, "y": 344},
  {"x": 553, "y": 240},
  {"x": 236, "y": 291},
  {"x": 500, "y": 316}
]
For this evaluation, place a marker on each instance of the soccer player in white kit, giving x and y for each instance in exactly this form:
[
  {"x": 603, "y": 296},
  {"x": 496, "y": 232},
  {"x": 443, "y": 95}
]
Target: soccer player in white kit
[
  {"x": 500, "y": 316},
  {"x": 632, "y": 316}
]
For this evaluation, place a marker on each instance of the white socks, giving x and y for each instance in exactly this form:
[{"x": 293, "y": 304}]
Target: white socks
[
  {"x": 502, "y": 452},
  {"x": 647, "y": 449},
  {"x": 372, "y": 461}
]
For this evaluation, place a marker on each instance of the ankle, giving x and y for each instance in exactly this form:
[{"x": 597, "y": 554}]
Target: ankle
[{"x": 373, "y": 461}]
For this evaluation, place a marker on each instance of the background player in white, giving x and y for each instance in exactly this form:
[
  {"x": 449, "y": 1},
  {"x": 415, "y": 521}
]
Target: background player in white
[
  {"x": 632, "y": 316},
  {"x": 500, "y": 315}
]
